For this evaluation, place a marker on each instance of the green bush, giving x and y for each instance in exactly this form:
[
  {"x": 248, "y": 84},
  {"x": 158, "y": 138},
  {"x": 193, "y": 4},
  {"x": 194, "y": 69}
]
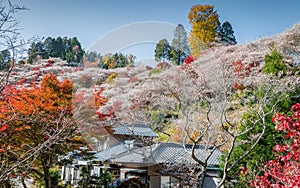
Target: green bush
[
  {"x": 154, "y": 71},
  {"x": 131, "y": 183},
  {"x": 274, "y": 63},
  {"x": 54, "y": 176},
  {"x": 248, "y": 167}
]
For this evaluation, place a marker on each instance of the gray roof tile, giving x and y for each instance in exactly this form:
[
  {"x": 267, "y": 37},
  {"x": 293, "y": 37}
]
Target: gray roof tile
[
  {"x": 202, "y": 154},
  {"x": 170, "y": 153},
  {"x": 134, "y": 129},
  {"x": 159, "y": 153},
  {"x": 110, "y": 152}
]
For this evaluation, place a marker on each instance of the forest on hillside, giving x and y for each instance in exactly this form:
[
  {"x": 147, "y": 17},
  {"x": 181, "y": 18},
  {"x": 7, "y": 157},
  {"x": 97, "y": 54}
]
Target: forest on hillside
[{"x": 242, "y": 100}]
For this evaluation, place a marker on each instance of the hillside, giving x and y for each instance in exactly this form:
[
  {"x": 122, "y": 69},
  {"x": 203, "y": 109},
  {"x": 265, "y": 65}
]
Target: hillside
[
  {"x": 226, "y": 100},
  {"x": 144, "y": 89}
]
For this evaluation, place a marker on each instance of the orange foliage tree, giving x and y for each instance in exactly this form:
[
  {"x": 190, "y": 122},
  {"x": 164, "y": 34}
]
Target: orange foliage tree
[
  {"x": 36, "y": 123},
  {"x": 94, "y": 123}
]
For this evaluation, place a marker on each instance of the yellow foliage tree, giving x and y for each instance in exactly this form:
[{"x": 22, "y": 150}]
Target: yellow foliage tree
[
  {"x": 196, "y": 45},
  {"x": 205, "y": 21}
]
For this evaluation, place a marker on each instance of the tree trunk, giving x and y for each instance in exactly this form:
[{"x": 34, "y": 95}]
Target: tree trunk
[
  {"x": 46, "y": 168},
  {"x": 7, "y": 184},
  {"x": 47, "y": 178}
]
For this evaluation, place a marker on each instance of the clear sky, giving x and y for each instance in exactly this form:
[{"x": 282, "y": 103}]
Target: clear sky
[{"x": 91, "y": 20}]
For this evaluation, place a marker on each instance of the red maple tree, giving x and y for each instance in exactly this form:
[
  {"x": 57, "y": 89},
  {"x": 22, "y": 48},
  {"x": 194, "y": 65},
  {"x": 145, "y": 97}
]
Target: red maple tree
[
  {"x": 35, "y": 126},
  {"x": 188, "y": 60},
  {"x": 284, "y": 170}
]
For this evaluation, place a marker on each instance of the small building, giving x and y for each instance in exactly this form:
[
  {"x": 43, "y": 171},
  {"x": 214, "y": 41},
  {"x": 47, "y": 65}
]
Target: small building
[
  {"x": 160, "y": 164},
  {"x": 118, "y": 139},
  {"x": 141, "y": 133},
  {"x": 136, "y": 155}
]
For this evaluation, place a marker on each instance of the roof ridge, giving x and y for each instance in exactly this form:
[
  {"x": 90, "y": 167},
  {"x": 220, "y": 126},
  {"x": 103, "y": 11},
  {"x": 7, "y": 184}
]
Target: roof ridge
[{"x": 127, "y": 124}]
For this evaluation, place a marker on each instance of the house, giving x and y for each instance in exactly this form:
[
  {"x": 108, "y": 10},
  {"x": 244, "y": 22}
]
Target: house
[
  {"x": 141, "y": 133},
  {"x": 116, "y": 140},
  {"x": 158, "y": 165},
  {"x": 74, "y": 163},
  {"x": 137, "y": 155}
]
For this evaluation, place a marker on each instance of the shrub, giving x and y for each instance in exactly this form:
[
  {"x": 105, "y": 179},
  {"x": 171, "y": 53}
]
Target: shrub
[
  {"x": 131, "y": 183},
  {"x": 154, "y": 71},
  {"x": 274, "y": 63},
  {"x": 188, "y": 60},
  {"x": 110, "y": 79}
]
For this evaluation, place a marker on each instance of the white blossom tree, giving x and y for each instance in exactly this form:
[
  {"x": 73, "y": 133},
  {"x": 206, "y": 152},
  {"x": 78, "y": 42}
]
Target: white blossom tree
[{"x": 209, "y": 96}]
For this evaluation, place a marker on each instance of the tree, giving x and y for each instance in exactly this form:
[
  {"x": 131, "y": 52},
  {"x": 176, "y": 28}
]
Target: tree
[
  {"x": 69, "y": 56},
  {"x": 274, "y": 63},
  {"x": 93, "y": 56},
  {"x": 58, "y": 48},
  {"x": 283, "y": 171},
  {"x": 131, "y": 59},
  {"x": 201, "y": 101},
  {"x": 162, "y": 51},
  {"x": 37, "y": 51},
  {"x": 9, "y": 35},
  {"x": 38, "y": 125},
  {"x": 117, "y": 60},
  {"x": 54, "y": 47},
  {"x": 5, "y": 59},
  {"x": 103, "y": 180},
  {"x": 49, "y": 46},
  {"x": 179, "y": 49},
  {"x": 248, "y": 167},
  {"x": 76, "y": 49},
  {"x": 188, "y": 60},
  {"x": 196, "y": 45},
  {"x": 226, "y": 34},
  {"x": 65, "y": 48},
  {"x": 18, "y": 154},
  {"x": 205, "y": 21},
  {"x": 67, "y": 45},
  {"x": 220, "y": 98}
]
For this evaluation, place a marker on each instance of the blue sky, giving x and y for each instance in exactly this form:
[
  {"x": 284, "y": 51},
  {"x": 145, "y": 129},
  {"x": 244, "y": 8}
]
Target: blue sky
[{"x": 92, "y": 20}]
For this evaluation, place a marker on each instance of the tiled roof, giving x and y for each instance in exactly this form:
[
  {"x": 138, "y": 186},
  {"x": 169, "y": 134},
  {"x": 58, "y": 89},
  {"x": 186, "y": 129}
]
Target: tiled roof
[
  {"x": 110, "y": 152},
  {"x": 202, "y": 153},
  {"x": 159, "y": 153},
  {"x": 134, "y": 129},
  {"x": 170, "y": 153},
  {"x": 135, "y": 155}
]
